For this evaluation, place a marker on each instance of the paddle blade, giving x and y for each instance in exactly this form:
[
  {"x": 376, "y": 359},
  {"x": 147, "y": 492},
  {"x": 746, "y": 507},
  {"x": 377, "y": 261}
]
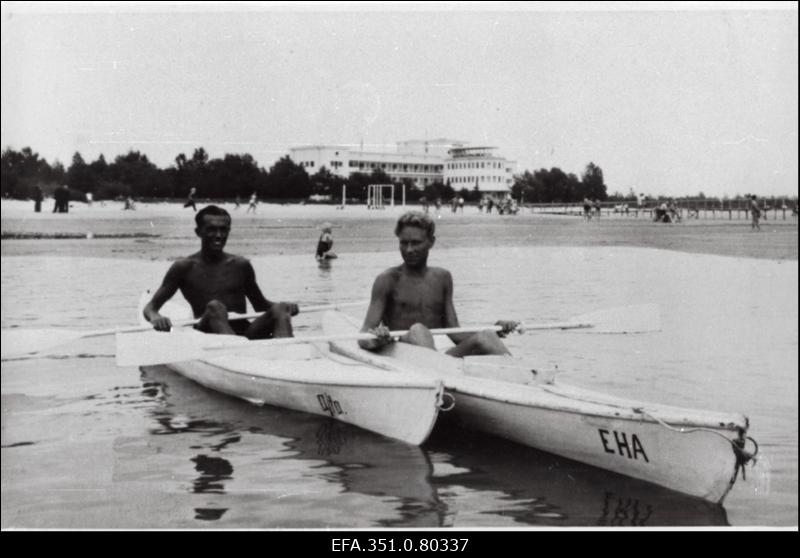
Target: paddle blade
[
  {"x": 17, "y": 341},
  {"x": 642, "y": 318},
  {"x": 157, "y": 347}
]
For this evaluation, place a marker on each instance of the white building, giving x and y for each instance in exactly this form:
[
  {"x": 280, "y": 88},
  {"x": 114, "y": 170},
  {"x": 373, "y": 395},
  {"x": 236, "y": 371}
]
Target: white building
[
  {"x": 422, "y": 161},
  {"x": 468, "y": 167}
]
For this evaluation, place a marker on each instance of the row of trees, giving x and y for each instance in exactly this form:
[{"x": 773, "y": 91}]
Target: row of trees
[
  {"x": 556, "y": 186},
  {"x": 238, "y": 175}
]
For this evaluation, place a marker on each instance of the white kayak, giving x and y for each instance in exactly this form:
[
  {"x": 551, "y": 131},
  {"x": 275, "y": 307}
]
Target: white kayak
[
  {"x": 691, "y": 451},
  {"x": 305, "y": 377}
]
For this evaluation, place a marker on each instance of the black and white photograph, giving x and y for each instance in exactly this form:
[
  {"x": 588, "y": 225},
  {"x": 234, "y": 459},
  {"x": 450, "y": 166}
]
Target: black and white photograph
[{"x": 397, "y": 273}]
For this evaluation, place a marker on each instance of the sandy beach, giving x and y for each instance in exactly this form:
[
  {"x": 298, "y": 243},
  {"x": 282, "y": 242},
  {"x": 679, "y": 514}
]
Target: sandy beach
[{"x": 108, "y": 230}]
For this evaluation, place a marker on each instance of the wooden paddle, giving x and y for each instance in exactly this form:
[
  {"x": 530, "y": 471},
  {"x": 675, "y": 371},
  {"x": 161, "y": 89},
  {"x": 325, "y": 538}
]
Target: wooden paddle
[
  {"x": 154, "y": 347},
  {"x": 19, "y": 341}
]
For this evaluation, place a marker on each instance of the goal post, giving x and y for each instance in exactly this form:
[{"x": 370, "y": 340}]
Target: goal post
[{"x": 376, "y": 195}]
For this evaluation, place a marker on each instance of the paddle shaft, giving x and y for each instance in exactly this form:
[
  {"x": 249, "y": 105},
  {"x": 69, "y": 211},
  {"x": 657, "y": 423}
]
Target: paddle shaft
[
  {"x": 363, "y": 336},
  {"x": 192, "y": 321}
]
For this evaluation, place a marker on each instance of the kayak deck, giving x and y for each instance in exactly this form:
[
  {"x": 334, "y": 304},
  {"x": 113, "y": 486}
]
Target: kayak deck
[
  {"x": 688, "y": 450},
  {"x": 307, "y": 377}
]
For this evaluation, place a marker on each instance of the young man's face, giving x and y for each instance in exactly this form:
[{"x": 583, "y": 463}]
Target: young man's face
[
  {"x": 214, "y": 232},
  {"x": 414, "y": 246}
]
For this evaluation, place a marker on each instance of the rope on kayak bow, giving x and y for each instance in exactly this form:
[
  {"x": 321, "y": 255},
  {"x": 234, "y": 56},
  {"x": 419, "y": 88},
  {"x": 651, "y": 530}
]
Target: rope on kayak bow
[
  {"x": 743, "y": 457},
  {"x": 444, "y": 407}
]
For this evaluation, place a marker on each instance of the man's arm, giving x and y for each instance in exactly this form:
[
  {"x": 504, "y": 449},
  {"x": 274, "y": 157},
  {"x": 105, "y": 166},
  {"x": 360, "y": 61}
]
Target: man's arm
[
  {"x": 450, "y": 317},
  {"x": 451, "y": 320},
  {"x": 373, "y": 320},
  {"x": 256, "y": 297},
  {"x": 168, "y": 288}
]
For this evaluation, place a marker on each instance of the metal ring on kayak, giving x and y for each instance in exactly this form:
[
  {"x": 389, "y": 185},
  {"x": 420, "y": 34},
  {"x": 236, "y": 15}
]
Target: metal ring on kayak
[{"x": 444, "y": 407}]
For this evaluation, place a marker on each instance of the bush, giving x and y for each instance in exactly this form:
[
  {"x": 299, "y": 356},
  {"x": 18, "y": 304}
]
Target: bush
[{"x": 109, "y": 190}]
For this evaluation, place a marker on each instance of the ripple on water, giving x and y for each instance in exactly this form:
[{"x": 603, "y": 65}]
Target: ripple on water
[{"x": 166, "y": 453}]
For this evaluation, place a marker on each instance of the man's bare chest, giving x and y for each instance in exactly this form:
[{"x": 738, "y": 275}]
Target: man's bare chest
[
  {"x": 417, "y": 293},
  {"x": 219, "y": 279}
]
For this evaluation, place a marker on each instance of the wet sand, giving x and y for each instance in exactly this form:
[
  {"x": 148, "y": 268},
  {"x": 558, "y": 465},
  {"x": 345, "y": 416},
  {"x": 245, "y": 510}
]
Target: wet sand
[{"x": 109, "y": 231}]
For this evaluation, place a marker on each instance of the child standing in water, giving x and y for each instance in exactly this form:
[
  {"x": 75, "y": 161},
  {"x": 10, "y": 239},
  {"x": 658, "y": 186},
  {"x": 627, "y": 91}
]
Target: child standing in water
[{"x": 325, "y": 243}]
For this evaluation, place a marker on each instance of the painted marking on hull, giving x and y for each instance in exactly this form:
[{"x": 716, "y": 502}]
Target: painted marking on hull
[
  {"x": 626, "y": 445},
  {"x": 329, "y": 404}
]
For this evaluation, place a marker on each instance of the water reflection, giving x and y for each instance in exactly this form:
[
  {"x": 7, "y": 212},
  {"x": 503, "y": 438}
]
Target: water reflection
[
  {"x": 362, "y": 462},
  {"x": 479, "y": 481},
  {"x": 537, "y": 488}
]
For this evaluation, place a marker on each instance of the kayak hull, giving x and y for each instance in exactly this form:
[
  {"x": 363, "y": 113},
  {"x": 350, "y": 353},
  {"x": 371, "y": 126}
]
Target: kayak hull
[
  {"x": 306, "y": 377},
  {"x": 398, "y": 407},
  {"x": 686, "y": 450},
  {"x": 700, "y": 464}
]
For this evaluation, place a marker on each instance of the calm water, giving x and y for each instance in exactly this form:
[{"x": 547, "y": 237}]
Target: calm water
[{"x": 86, "y": 444}]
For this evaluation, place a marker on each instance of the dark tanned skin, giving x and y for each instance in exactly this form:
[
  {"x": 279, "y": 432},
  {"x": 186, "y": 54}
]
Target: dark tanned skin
[
  {"x": 215, "y": 283},
  {"x": 415, "y": 297}
]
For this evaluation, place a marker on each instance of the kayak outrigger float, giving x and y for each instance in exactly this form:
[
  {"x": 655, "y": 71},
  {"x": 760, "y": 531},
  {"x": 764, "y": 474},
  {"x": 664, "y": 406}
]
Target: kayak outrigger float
[{"x": 695, "y": 452}]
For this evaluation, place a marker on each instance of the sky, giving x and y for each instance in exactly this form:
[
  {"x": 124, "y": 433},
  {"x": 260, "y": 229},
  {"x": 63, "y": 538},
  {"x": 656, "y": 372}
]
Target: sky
[{"x": 673, "y": 99}]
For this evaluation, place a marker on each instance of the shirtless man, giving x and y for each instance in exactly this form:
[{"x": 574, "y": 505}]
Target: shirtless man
[
  {"x": 215, "y": 282},
  {"x": 418, "y": 298}
]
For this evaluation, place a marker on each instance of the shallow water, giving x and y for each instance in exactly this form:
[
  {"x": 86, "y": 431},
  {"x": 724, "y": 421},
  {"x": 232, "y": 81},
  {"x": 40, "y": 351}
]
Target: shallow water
[{"x": 86, "y": 444}]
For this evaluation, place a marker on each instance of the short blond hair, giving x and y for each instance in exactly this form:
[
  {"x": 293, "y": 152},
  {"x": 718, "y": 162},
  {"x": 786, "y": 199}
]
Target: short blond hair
[{"x": 415, "y": 219}]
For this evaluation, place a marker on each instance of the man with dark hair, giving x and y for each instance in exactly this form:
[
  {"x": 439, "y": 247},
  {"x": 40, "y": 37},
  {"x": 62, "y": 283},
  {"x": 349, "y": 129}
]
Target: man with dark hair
[
  {"x": 214, "y": 282},
  {"x": 415, "y": 297}
]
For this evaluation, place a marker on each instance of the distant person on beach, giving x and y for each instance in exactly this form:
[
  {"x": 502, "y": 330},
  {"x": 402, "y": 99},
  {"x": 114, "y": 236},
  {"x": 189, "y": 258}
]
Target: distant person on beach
[
  {"x": 461, "y": 204},
  {"x": 438, "y": 205},
  {"x": 215, "y": 282},
  {"x": 38, "y": 196},
  {"x": 587, "y": 209},
  {"x": 61, "y": 196},
  {"x": 325, "y": 243},
  {"x": 489, "y": 205},
  {"x": 755, "y": 213},
  {"x": 415, "y": 297},
  {"x": 253, "y": 203},
  {"x": 662, "y": 213},
  {"x": 190, "y": 200},
  {"x": 674, "y": 214},
  {"x": 129, "y": 204},
  {"x": 597, "y": 207},
  {"x": 89, "y": 199},
  {"x": 237, "y": 203},
  {"x": 425, "y": 205}
]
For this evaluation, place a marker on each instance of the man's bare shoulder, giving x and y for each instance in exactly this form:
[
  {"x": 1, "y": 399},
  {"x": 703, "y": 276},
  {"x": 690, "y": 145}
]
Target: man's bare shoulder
[
  {"x": 185, "y": 263},
  {"x": 197, "y": 258},
  {"x": 239, "y": 261},
  {"x": 388, "y": 276},
  {"x": 439, "y": 274}
]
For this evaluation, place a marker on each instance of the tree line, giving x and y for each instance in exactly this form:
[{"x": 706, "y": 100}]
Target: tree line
[{"x": 238, "y": 175}]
